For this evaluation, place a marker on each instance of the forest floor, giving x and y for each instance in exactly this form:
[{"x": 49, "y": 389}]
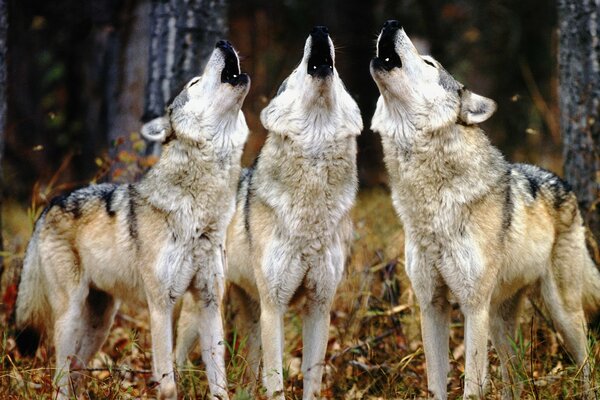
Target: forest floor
[{"x": 374, "y": 349}]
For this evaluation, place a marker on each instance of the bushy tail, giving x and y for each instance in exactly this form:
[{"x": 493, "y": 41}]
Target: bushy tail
[
  {"x": 591, "y": 293},
  {"x": 32, "y": 310}
]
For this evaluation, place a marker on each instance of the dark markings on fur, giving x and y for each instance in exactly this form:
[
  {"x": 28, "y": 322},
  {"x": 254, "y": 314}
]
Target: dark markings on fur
[
  {"x": 540, "y": 180},
  {"x": 282, "y": 87},
  {"x": 107, "y": 198},
  {"x": 534, "y": 185},
  {"x": 247, "y": 176},
  {"x": 132, "y": 216},
  {"x": 28, "y": 341},
  {"x": 69, "y": 202},
  {"x": 447, "y": 81},
  {"x": 98, "y": 303},
  {"x": 508, "y": 206}
]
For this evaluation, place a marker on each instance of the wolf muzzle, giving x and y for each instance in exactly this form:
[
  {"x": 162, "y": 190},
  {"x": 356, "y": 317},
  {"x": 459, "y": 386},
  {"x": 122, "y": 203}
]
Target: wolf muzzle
[
  {"x": 231, "y": 71},
  {"x": 320, "y": 63},
  {"x": 387, "y": 58}
]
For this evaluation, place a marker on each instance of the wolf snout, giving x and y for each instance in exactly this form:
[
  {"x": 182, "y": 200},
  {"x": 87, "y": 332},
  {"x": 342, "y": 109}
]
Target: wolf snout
[
  {"x": 319, "y": 31},
  {"x": 391, "y": 25},
  {"x": 320, "y": 62},
  {"x": 387, "y": 58},
  {"x": 224, "y": 45}
]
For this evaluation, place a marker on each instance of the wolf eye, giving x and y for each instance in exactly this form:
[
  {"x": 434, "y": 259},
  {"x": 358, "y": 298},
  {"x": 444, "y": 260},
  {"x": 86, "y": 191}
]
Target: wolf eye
[
  {"x": 193, "y": 82},
  {"x": 429, "y": 63}
]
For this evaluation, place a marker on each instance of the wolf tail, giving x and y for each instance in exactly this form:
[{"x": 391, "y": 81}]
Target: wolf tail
[
  {"x": 32, "y": 308},
  {"x": 591, "y": 292}
]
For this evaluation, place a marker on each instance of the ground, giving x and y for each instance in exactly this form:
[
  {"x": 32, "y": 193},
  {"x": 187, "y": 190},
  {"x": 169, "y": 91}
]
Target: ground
[{"x": 374, "y": 351}]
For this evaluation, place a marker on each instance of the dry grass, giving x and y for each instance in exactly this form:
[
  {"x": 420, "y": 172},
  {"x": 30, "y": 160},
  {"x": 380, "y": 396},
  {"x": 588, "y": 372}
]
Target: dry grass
[{"x": 375, "y": 350}]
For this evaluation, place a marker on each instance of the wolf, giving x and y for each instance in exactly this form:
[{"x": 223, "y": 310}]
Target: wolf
[
  {"x": 486, "y": 231},
  {"x": 147, "y": 242},
  {"x": 290, "y": 234}
]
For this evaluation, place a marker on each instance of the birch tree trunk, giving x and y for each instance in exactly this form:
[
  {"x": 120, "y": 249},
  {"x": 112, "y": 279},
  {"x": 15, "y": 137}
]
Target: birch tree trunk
[
  {"x": 184, "y": 33},
  {"x": 579, "y": 93}
]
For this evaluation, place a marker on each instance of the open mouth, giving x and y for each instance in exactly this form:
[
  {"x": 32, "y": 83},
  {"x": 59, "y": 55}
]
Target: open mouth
[
  {"x": 320, "y": 63},
  {"x": 231, "y": 71},
  {"x": 387, "y": 58}
]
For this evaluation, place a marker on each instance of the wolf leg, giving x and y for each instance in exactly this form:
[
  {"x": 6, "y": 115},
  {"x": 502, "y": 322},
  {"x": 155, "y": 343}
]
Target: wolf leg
[
  {"x": 207, "y": 289},
  {"x": 79, "y": 333},
  {"x": 476, "y": 355},
  {"x": 432, "y": 295},
  {"x": 187, "y": 329},
  {"x": 161, "y": 331},
  {"x": 435, "y": 329},
  {"x": 247, "y": 321},
  {"x": 315, "y": 332},
  {"x": 566, "y": 311},
  {"x": 503, "y": 327},
  {"x": 271, "y": 332}
]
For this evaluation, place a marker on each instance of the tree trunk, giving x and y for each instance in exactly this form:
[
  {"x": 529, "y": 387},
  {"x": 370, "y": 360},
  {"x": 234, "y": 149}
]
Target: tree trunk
[
  {"x": 3, "y": 80},
  {"x": 579, "y": 93},
  {"x": 184, "y": 32}
]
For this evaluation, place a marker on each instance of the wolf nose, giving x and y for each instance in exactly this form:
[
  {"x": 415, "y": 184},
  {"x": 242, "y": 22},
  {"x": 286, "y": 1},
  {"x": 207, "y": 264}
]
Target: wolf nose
[
  {"x": 223, "y": 44},
  {"x": 319, "y": 31},
  {"x": 391, "y": 25}
]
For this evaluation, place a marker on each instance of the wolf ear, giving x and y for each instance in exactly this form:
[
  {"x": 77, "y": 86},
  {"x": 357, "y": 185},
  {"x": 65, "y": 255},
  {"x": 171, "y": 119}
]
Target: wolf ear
[
  {"x": 474, "y": 108},
  {"x": 156, "y": 130}
]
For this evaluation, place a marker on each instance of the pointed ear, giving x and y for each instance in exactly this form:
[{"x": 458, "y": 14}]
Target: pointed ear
[
  {"x": 474, "y": 108},
  {"x": 157, "y": 130}
]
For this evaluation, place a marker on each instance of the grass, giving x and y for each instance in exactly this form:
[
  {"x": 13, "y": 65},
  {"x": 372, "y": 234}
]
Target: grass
[{"x": 374, "y": 349}]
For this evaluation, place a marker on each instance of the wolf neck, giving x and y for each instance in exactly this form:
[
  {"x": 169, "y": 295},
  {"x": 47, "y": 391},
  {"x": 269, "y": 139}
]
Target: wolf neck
[
  {"x": 444, "y": 169},
  {"x": 186, "y": 170}
]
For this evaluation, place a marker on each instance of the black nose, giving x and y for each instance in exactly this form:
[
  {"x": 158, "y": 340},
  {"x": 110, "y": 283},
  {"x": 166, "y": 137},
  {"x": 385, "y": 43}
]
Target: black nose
[
  {"x": 223, "y": 44},
  {"x": 319, "y": 31},
  {"x": 391, "y": 25}
]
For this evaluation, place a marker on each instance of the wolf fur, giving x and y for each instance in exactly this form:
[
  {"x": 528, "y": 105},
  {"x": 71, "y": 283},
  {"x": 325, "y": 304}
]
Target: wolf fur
[
  {"x": 290, "y": 233},
  {"x": 147, "y": 242},
  {"x": 477, "y": 227}
]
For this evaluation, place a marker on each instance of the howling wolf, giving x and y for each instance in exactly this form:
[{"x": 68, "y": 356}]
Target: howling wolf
[
  {"x": 148, "y": 242},
  {"x": 290, "y": 234},
  {"x": 477, "y": 227}
]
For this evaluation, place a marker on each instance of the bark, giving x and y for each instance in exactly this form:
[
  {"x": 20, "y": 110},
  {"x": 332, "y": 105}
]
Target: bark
[
  {"x": 183, "y": 36},
  {"x": 579, "y": 93}
]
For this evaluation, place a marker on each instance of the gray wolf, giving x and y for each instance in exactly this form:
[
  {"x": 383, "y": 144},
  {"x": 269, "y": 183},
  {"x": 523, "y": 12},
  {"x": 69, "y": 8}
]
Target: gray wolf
[
  {"x": 147, "y": 242},
  {"x": 477, "y": 227},
  {"x": 291, "y": 231}
]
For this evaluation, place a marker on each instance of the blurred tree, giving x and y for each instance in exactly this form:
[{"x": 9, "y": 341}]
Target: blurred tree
[
  {"x": 3, "y": 53},
  {"x": 183, "y": 35},
  {"x": 579, "y": 69}
]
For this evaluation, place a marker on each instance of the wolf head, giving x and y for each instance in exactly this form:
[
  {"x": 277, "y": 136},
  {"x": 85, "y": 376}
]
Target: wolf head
[
  {"x": 416, "y": 91},
  {"x": 209, "y": 105},
  {"x": 313, "y": 99}
]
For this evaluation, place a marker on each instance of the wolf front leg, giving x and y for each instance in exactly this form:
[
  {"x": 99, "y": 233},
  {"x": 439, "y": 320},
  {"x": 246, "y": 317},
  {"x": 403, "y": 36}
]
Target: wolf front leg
[
  {"x": 208, "y": 288},
  {"x": 315, "y": 333},
  {"x": 271, "y": 332},
  {"x": 161, "y": 330},
  {"x": 431, "y": 292},
  {"x": 476, "y": 338}
]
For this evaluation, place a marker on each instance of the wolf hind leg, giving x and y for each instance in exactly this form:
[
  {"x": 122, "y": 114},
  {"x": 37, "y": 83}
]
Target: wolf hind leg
[
  {"x": 503, "y": 323},
  {"x": 247, "y": 319},
  {"x": 187, "y": 329},
  {"x": 79, "y": 333},
  {"x": 563, "y": 301}
]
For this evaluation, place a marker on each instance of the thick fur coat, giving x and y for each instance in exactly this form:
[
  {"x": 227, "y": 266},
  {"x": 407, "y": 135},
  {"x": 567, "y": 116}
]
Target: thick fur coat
[
  {"x": 147, "y": 242},
  {"x": 291, "y": 231},
  {"x": 477, "y": 227}
]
